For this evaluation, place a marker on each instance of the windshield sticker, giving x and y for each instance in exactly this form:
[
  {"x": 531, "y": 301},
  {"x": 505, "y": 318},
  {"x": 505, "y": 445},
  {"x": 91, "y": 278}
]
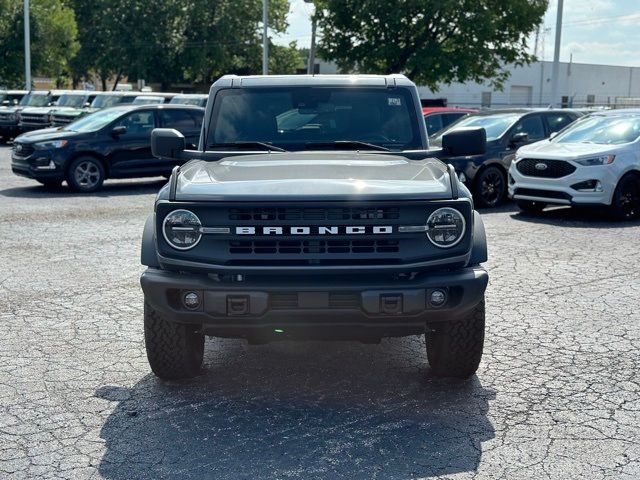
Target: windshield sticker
[{"x": 395, "y": 101}]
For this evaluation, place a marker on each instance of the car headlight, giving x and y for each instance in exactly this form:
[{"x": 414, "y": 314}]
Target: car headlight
[
  {"x": 51, "y": 144},
  {"x": 445, "y": 227},
  {"x": 181, "y": 229},
  {"x": 602, "y": 160}
]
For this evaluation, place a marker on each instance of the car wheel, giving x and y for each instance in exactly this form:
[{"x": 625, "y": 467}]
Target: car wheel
[
  {"x": 85, "y": 174},
  {"x": 490, "y": 187},
  {"x": 454, "y": 348},
  {"x": 174, "y": 350},
  {"x": 626, "y": 198},
  {"x": 528, "y": 206}
]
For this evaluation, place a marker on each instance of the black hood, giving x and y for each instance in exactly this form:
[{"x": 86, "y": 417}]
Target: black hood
[{"x": 312, "y": 175}]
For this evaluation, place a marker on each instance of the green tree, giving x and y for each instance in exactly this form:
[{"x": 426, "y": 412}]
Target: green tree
[
  {"x": 431, "y": 41},
  {"x": 53, "y": 40},
  {"x": 285, "y": 59}
]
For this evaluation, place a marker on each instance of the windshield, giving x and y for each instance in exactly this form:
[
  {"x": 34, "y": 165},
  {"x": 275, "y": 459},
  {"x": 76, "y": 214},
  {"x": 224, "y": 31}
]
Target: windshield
[
  {"x": 495, "y": 125},
  {"x": 72, "y": 100},
  {"x": 603, "y": 130},
  {"x": 95, "y": 121},
  {"x": 106, "y": 101},
  {"x": 147, "y": 100},
  {"x": 293, "y": 117},
  {"x": 188, "y": 100},
  {"x": 35, "y": 100}
]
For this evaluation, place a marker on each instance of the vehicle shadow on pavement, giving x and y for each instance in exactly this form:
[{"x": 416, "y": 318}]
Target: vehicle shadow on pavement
[
  {"x": 299, "y": 410},
  {"x": 575, "y": 218},
  {"x": 109, "y": 189}
]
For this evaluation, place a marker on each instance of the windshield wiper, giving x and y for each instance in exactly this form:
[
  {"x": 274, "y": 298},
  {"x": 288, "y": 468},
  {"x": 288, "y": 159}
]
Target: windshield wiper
[
  {"x": 248, "y": 145},
  {"x": 345, "y": 144}
]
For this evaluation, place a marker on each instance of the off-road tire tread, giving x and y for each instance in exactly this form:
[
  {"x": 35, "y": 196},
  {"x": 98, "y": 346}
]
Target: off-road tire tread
[
  {"x": 174, "y": 351},
  {"x": 454, "y": 348}
]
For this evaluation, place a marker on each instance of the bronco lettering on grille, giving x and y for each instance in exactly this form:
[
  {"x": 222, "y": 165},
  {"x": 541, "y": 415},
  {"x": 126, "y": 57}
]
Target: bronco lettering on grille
[{"x": 335, "y": 230}]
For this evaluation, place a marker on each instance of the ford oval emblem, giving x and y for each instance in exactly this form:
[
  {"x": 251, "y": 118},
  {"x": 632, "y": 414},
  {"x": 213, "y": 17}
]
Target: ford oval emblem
[{"x": 541, "y": 166}]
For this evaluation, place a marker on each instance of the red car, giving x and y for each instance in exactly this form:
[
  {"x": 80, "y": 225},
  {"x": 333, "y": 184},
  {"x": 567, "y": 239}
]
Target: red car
[{"x": 438, "y": 118}]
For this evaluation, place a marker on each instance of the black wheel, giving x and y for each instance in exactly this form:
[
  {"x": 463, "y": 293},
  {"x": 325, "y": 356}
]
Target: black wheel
[
  {"x": 490, "y": 187},
  {"x": 454, "y": 348},
  {"x": 626, "y": 198},
  {"x": 528, "y": 206},
  {"x": 50, "y": 184},
  {"x": 85, "y": 174},
  {"x": 174, "y": 350}
]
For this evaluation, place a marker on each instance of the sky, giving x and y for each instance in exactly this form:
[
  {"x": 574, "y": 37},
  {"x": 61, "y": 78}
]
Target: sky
[{"x": 594, "y": 31}]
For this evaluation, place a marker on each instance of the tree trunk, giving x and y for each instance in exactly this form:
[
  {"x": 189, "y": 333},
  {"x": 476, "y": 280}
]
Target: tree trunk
[{"x": 115, "y": 84}]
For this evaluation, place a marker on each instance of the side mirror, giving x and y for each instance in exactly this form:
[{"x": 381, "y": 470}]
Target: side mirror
[
  {"x": 87, "y": 104},
  {"x": 518, "y": 138},
  {"x": 464, "y": 142},
  {"x": 167, "y": 143},
  {"x": 119, "y": 130}
]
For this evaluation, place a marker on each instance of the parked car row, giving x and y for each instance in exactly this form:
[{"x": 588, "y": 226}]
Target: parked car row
[
  {"x": 23, "y": 111},
  {"x": 111, "y": 143}
]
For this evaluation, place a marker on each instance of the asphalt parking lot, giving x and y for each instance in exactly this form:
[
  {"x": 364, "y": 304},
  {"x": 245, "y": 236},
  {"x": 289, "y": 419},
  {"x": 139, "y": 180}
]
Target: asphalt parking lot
[{"x": 557, "y": 394}]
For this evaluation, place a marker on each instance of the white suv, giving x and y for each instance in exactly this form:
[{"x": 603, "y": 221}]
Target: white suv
[{"x": 594, "y": 161}]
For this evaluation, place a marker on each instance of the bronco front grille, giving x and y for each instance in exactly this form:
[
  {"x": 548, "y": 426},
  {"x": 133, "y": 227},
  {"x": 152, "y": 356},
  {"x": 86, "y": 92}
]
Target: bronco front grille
[
  {"x": 34, "y": 119},
  {"x": 532, "y": 167},
  {"x": 61, "y": 120},
  {"x": 266, "y": 247},
  {"x": 319, "y": 214}
]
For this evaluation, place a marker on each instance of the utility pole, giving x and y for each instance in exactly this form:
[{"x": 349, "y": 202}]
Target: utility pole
[
  {"x": 312, "y": 49},
  {"x": 265, "y": 39},
  {"x": 27, "y": 47},
  {"x": 556, "y": 56}
]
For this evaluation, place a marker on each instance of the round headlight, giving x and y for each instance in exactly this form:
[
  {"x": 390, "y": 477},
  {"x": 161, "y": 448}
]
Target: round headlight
[
  {"x": 445, "y": 227},
  {"x": 181, "y": 229}
]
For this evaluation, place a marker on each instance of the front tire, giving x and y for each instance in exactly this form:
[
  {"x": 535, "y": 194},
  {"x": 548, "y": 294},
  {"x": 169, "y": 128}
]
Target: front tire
[
  {"x": 85, "y": 174},
  {"x": 528, "y": 206},
  {"x": 490, "y": 187},
  {"x": 174, "y": 350},
  {"x": 626, "y": 198},
  {"x": 454, "y": 348}
]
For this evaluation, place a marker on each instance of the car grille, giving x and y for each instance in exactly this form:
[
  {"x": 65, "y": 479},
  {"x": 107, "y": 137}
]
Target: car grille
[
  {"x": 23, "y": 149},
  {"x": 32, "y": 119},
  {"x": 313, "y": 246},
  {"x": 6, "y": 117},
  {"x": 288, "y": 301},
  {"x": 531, "y": 167},
  {"x": 58, "y": 120},
  {"x": 319, "y": 214},
  {"x": 534, "y": 192}
]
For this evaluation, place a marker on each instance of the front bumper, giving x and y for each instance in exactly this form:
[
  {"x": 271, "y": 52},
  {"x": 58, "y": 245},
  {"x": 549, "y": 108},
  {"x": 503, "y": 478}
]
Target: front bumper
[
  {"x": 239, "y": 309},
  {"x": 40, "y": 165},
  {"x": 559, "y": 191}
]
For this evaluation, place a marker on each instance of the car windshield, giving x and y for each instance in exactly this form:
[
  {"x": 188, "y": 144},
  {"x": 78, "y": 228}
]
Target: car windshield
[
  {"x": 605, "y": 130},
  {"x": 106, "y": 101},
  {"x": 75, "y": 100},
  {"x": 495, "y": 125},
  {"x": 95, "y": 121},
  {"x": 35, "y": 100},
  {"x": 294, "y": 118},
  {"x": 146, "y": 100},
  {"x": 186, "y": 101}
]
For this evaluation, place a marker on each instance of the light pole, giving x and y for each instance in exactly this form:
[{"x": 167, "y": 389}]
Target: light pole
[
  {"x": 556, "y": 56},
  {"x": 265, "y": 39},
  {"x": 312, "y": 49},
  {"x": 27, "y": 47}
]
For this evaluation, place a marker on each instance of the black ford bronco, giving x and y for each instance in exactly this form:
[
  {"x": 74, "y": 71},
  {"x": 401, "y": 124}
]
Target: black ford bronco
[{"x": 314, "y": 209}]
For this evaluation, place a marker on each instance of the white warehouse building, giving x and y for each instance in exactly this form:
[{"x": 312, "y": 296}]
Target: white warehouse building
[{"x": 579, "y": 85}]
